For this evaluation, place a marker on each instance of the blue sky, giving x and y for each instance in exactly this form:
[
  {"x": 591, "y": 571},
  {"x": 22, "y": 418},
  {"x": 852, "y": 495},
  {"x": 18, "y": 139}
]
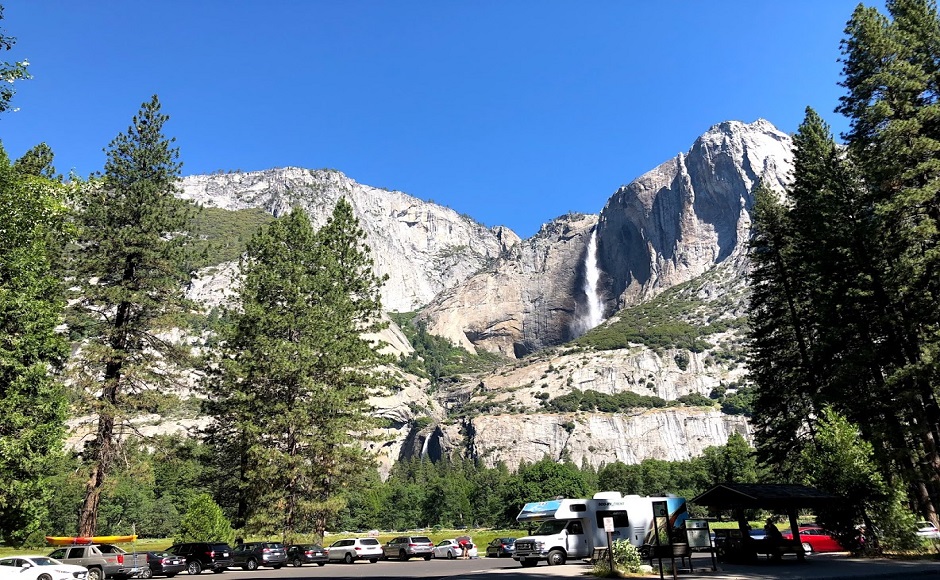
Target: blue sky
[{"x": 513, "y": 112}]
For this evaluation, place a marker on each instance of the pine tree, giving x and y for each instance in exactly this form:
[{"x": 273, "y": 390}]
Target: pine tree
[
  {"x": 892, "y": 101},
  {"x": 779, "y": 341},
  {"x": 291, "y": 389},
  {"x": 129, "y": 268},
  {"x": 32, "y": 401}
]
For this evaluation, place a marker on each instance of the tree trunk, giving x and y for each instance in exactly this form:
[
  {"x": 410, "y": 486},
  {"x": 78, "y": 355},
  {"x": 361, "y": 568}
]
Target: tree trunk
[{"x": 101, "y": 464}]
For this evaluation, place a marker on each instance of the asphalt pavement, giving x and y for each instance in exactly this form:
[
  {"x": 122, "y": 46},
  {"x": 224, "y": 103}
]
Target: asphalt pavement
[{"x": 816, "y": 567}]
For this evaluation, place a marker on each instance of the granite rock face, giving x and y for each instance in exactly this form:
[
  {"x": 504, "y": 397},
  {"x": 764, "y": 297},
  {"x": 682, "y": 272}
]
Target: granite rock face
[
  {"x": 530, "y": 298},
  {"x": 690, "y": 213},
  {"x": 668, "y": 226},
  {"x": 424, "y": 248},
  {"x": 598, "y": 438}
]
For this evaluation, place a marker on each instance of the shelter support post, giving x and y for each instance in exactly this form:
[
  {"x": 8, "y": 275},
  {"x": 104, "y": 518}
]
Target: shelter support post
[{"x": 795, "y": 530}]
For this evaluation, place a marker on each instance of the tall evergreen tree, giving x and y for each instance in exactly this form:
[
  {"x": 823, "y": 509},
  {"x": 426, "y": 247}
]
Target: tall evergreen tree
[
  {"x": 780, "y": 344},
  {"x": 291, "y": 388},
  {"x": 129, "y": 269},
  {"x": 893, "y": 86},
  {"x": 32, "y": 401}
]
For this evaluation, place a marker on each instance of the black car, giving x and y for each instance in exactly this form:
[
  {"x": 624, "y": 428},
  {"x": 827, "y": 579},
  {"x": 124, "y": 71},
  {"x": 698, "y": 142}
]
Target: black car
[
  {"x": 162, "y": 564},
  {"x": 199, "y": 556},
  {"x": 500, "y": 547},
  {"x": 252, "y": 555},
  {"x": 300, "y": 554}
]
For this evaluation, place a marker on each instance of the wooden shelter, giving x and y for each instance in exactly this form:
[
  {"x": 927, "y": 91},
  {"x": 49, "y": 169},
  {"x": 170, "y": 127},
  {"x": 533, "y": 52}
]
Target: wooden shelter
[{"x": 776, "y": 497}]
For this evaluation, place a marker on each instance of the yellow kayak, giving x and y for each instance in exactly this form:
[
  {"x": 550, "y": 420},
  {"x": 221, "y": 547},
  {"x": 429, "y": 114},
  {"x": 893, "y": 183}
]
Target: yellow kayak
[{"x": 71, "y": 540}]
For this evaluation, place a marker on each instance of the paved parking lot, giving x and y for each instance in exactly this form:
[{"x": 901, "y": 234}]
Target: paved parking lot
[{"x": 817, "y": 567}]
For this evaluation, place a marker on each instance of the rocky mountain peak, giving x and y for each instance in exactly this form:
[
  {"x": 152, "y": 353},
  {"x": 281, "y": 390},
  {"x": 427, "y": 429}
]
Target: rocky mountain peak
[
  {"x": 423, "y": 247},
  {"x": 680, "y": 219}
]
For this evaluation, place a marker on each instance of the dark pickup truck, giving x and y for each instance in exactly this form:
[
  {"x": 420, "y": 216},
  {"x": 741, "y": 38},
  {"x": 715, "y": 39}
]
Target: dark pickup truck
[{"x": 102, "y": 560}]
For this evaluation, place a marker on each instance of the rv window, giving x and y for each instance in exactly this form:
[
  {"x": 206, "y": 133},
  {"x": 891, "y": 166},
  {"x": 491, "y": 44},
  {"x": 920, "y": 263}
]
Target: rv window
[
  {"x": 578, "y": 507},
  {"x": 620, "y": 518},
  {"x": 551, "y": 527}
]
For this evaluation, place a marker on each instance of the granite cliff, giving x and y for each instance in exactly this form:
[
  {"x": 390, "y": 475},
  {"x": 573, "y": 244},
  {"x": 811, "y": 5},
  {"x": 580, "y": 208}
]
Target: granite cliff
[{"x": 673, "y": 240}]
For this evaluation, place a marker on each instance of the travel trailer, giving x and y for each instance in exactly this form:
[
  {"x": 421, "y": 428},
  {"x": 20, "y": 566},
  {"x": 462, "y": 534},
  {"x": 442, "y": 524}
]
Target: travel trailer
[{"x": 572, "y": 528}]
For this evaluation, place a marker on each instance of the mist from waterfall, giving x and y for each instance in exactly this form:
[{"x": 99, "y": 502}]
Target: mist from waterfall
[{"x": 593, "y": 314}]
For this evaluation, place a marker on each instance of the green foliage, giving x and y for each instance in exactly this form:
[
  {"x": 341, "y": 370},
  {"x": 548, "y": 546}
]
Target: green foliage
[
  {"x": 673, "y": 320},
  {"x": 740, "y": 402},
  {"x": 128, "y": 267},
  {"x": 844, "y": 311},
  {"x": 734, "y": 462},
  {"x": 696, "y": 400},
  {"x": 590, "y": 400},
  {"x": 32, "y": 402},
  {"x": 842, "y": 463},
  {"x": 626, "y": 556},
  {"x": 435, "y": 358},
  {"x": 204, "y": 522},
  {"x": 290, "y": 386},
  {"x": 220, "y": 235}
]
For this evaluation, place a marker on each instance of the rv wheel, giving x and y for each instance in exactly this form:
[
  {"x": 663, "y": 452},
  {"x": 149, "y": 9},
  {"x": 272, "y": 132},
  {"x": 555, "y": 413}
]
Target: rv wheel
[{"x": 556, "y": 557}]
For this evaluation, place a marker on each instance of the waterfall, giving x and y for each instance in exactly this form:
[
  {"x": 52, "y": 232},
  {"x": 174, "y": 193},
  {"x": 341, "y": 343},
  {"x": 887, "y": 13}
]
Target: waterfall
[
  {"x": 424, "y": 446},
  {"x": 592, "y": 275}
]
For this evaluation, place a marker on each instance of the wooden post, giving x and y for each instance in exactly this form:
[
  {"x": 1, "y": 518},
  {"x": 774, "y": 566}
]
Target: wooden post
[{"x": 795, "y": 530}]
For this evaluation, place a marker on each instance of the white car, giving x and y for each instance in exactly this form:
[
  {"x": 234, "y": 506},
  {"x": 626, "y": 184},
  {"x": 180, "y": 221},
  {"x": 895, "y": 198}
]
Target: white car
[
  {"x": 928, "y": 530},
  {"x": 355, "y": 549},
  {"x": 39, "y": 568},
  {"x": 450, "y": 549}
]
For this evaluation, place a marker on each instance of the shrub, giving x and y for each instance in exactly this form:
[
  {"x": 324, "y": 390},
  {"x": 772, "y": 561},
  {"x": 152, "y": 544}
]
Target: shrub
[
  {"x": 626, "y": 556},
  {"x": 204, "y": 522}
]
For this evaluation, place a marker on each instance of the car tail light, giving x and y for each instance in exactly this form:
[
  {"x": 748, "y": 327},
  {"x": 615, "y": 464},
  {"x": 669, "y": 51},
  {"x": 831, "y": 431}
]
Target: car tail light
[
  {"x": 358, "y": 548},
  {"x": 120, "y": 558},
  {"x": 309, "y": 552},
  {"x": 412, "y": 545},
  {"x": 265, "y": 550},
  {"x": 211, "y": 553},
  {"x": 163, "y": 560}
]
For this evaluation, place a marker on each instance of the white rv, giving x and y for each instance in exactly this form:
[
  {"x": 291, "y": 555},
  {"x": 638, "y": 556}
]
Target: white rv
[{"x": 572, "y": 528}]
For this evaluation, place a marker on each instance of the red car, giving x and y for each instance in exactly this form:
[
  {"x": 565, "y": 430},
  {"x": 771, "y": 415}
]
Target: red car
[{"x": 816, "y": 540}]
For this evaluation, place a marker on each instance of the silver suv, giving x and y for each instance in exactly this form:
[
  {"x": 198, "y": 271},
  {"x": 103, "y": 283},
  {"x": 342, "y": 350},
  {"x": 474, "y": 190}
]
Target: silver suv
[
  {"x": 251, "y": 555},
  {"x": 405, "y": 547}
]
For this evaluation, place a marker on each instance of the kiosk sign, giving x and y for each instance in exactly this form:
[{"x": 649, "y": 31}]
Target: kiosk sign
[{"x": 608, "y": 524}]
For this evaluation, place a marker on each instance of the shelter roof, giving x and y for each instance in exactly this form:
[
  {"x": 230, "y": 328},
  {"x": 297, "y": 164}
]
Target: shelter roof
[{"x": 780, "y": 496}]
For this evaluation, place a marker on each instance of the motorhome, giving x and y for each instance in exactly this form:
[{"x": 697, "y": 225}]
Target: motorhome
[{"x": 573, "y": 528}]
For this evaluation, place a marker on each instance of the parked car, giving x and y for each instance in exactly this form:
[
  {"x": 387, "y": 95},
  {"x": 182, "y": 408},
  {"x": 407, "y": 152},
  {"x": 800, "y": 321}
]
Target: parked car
[
  {"x": 300, "y": 554},
  {"x": 450, "y": 549},
  {"x": 199, "y": 556},
  {"x": 35, "y": 567},
  {"x": 162, "y": 564},
  {"x": 101, "y": 560},
  {"x": 928, "y": 530},
  {"x": 354, "y": 549},
  {"x": 252, "y": 555},
  {"x": 405, "y": 547},
  {"x": 815, "y": 539},
  {"x": 501, "y": 547}
]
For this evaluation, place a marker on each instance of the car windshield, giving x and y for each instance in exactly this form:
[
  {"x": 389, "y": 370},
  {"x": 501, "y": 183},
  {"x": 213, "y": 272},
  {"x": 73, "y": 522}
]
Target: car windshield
[
  {"x": 369, "y": 542},
  {"x": 44, "y": 561},
  {"x": 551, "y": 527}
]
